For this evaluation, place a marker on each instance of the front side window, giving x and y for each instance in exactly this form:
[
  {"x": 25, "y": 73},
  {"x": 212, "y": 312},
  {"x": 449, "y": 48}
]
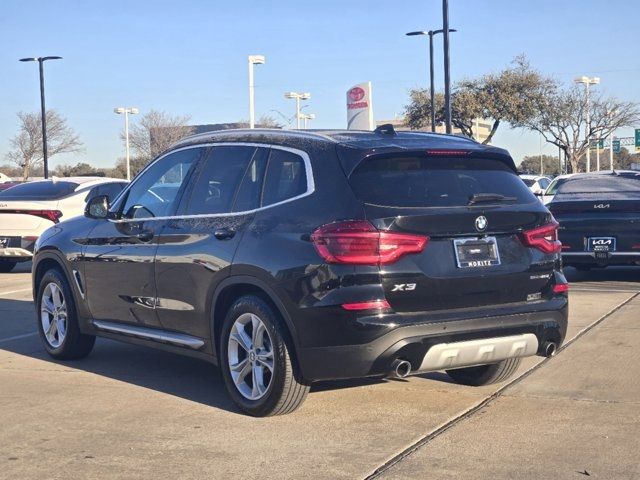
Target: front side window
[
  {"x": 155, "y": 192},
  {"x": 286, "y": 177}
]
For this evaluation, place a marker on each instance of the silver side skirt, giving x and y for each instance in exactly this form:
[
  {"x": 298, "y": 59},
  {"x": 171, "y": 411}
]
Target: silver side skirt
[
  {"x": 179, "y": 339},
  {"x": 478, "y": 352}
]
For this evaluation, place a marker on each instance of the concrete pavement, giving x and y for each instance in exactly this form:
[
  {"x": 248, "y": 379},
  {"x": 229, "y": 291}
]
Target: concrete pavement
[{"x": 131, "y": 412}]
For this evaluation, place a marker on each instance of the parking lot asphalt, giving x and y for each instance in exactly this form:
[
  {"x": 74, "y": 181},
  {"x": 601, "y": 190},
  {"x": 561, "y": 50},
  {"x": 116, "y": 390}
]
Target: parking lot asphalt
[{"x": 132, "y": 412}]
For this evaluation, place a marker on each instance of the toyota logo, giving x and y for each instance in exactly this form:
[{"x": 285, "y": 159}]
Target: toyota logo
[
  {"x": 356, "y": 94},
  {"x": 481, "y": 223}
]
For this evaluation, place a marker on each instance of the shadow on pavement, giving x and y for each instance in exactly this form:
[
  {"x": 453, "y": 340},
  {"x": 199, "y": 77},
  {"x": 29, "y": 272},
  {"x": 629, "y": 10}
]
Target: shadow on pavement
[{"x": 608, "y": 274}]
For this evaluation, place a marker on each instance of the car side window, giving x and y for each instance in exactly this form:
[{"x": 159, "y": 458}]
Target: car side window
[
  {"x": 248, "y": 196},
  {"x": 111, "y": 190},
  {"x": 155, "y": 192},
  {"x": 286, "y": 177},
  {"x": 544, "y": 183},
  {"x": 215, "y": 189}
]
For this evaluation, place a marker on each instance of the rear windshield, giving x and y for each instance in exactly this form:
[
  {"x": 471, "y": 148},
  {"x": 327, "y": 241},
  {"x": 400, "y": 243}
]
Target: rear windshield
[
  {"x": 39, "y": 191},
  {"x": 398, "y": 181},
  {"x": 601, "y": 184}
]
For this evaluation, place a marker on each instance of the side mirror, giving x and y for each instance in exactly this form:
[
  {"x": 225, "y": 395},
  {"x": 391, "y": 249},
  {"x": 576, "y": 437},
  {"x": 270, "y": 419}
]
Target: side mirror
[
  {"x": 539, "y": 193},
  {"x": 97, "y": 207}
]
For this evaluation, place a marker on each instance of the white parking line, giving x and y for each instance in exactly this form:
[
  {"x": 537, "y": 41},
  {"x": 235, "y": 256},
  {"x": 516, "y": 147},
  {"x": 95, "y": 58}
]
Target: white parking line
[
  {"x": 15, "y": 291},
  {"x": 18, "y": 337}
]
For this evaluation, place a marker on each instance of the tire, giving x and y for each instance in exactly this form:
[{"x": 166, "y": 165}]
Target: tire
[
  {"x": 243, "y": 342},
  {"x": 485, "y": 374},
  {"x": 70, "y": 344},
  {"x": 7, "y": 265}
]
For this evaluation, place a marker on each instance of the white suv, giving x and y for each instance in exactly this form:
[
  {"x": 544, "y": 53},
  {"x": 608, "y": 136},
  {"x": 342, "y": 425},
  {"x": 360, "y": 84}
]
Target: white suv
[{"x": 28, "y": 209}]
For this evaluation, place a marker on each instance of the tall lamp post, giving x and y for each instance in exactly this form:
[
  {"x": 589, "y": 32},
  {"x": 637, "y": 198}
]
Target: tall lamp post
[
  {"x": 41, "y": 61},
  {"x": 430, "y": 33},
  {"x": 253, "y": 60},
  {"x": 126, "y": 111},
  {"x": 447, "y": 75},
  {"x": 298, "y": 96},
  {"x": 307, "y": 116},
  {"x": 588, "y": 81}
]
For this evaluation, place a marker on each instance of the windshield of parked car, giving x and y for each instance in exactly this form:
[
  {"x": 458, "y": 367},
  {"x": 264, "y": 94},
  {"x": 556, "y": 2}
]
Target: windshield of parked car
[
  {"x": 435, "y": 181},
  {"x": 528, "y": 181},
  {"x": 601, "y": 184},
  {"x": 46, "y": 190}
]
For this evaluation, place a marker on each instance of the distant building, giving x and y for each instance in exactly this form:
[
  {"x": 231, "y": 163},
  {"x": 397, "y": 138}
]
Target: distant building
[{"x": 481, "y": 127}]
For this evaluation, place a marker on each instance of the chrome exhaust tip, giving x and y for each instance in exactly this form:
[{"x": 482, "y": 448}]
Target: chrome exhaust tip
[
  {"x": 400, "y": 368},
  {"x": 548, "y": 349}
]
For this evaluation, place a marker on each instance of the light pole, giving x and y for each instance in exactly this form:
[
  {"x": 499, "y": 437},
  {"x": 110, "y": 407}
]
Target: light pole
[
  {"x": 588, "y": 81},
  {"x": 41, "y": 61},
  {"x": 447, "y": 76},
  {"x": 307, "y": 116},
  {"x": 253, "y": 60},
  {"x": 430, "y": 33},
  {"x": 298, "y": 96},
  {"x": 126, "y": 111}
]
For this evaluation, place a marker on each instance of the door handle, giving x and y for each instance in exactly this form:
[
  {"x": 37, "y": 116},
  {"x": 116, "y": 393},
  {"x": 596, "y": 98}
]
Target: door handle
[{"x": 224, "y": 233}]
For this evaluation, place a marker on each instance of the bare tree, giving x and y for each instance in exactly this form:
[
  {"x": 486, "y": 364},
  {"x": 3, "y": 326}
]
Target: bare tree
[
  {"x": 561, "y": 121},
  {"x": 26, "y": 146},
  {"x": 512, "y": 95},
  {"x": 155, "y": 132}
]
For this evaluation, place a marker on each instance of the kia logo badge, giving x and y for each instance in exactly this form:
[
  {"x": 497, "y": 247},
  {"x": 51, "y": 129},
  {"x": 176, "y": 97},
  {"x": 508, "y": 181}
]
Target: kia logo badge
[
  {"x": 481, "y": 223},
  {"x": 356, "y": 94}
]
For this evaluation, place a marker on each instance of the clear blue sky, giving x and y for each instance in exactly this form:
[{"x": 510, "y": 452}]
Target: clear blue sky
[{"x": 189, "y": 57}]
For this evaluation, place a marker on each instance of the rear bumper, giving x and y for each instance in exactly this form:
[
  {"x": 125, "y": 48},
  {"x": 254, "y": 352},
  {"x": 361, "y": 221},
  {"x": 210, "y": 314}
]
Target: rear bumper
[
  {"x": 412, "y": 342},
  {"x": 15, "y": 254},
  {"x": 590, "y": 258}
]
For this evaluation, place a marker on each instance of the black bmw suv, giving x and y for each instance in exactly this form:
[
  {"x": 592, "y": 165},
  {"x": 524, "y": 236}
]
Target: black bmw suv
[{"x": 287, "y": 257}]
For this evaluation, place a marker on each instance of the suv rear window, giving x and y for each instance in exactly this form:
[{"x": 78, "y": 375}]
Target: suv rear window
[
  {"x": 47, "y": 190},
  {"x": 400, "y": 181}
]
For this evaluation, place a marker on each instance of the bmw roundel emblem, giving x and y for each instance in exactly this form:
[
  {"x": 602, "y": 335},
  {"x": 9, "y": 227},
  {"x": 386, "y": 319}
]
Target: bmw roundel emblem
[{"x": 481, "y": 223}]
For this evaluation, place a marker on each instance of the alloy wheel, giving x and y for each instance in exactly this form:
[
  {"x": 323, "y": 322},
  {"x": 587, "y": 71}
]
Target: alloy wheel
[
  {"x": 250, "y": 356},
  {"x": 53, "y": 315}
]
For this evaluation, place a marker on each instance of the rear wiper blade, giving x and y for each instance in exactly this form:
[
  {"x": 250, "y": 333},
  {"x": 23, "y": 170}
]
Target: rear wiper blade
[{"x": 489, "y": 198}]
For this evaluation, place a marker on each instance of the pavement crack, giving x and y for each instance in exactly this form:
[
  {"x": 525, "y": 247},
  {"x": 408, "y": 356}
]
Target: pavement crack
[{"x": 483, "y": 403}]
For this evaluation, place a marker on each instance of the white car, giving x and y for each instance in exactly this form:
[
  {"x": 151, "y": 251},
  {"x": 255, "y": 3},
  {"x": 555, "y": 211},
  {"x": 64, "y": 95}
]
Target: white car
[
  {"x": 551, "y": 190},
  {"x": 4, "y": 178},
  {"x": 536, "y": 183},
  {"x": 28, "y": 209}
]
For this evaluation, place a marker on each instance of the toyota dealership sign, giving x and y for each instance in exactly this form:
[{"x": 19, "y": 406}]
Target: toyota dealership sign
[{"x": 359, "y": 108}]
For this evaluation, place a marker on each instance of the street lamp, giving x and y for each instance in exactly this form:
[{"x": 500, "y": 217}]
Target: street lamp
[
  {"x": 307, "y": 116},
  {"x": 253, "y": 60},
  {"x": 126, "y": 111},
  {"x": 588, "y": 81},
  {"x": 298, "y": 96},
  {"x": 41, "y": 61},
  {"x": 430, "y": 33},
  {"x": 447, "y": 76}
]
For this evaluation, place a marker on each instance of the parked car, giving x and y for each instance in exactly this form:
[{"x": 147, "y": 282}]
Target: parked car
[
  {"x": 536, "y": 183},
  {"x": 599, "y": 215},
  {"x": 551, "y": 190},
  {"x": 8, "y": 184},
  {"x": 290, "y": 257},
  {"x": 4, "y": 178},
  {"x": 28, "y": 209}
]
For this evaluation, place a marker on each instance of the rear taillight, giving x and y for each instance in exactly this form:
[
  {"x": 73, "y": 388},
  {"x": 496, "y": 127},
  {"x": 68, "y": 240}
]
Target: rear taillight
[
  {"x": 357, "y": 242},
  {"x": 561, "y": 288},
  {"x": 544, "y": 238},
  {"x": 53, "y": 215}
]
